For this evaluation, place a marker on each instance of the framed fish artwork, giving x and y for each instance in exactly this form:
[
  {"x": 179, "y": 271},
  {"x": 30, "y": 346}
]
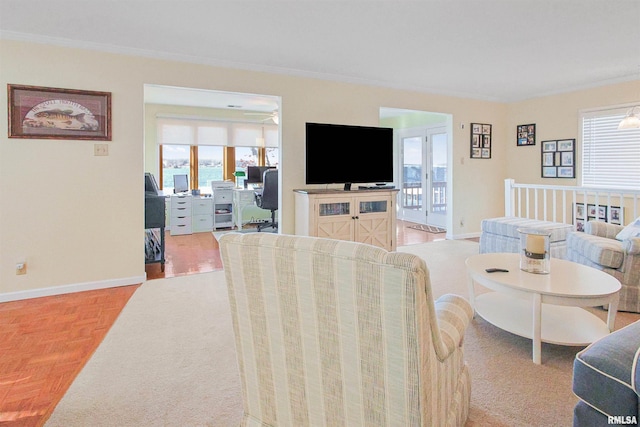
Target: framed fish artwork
[{"x": 51, "y": 113}]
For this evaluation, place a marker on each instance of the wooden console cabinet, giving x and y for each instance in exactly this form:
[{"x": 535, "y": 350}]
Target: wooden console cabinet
[{"x": 367, "y": 216}]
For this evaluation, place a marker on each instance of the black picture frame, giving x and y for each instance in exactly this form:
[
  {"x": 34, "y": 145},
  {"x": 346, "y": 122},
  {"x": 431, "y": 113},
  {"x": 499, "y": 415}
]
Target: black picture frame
[
  {"x": 526, "y": 135},
  {"x": 480, "y": 144},
  {"x": 615, "y": 214},
  {"x": 558, "y": 158}
]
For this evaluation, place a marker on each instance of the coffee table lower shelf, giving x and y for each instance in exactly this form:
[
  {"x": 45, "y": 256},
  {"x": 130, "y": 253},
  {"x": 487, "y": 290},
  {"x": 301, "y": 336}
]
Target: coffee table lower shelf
[{"x": 570, "y": 326}]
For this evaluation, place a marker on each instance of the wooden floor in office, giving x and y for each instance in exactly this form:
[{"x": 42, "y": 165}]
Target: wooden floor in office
[{"x": 45, "y": 342}]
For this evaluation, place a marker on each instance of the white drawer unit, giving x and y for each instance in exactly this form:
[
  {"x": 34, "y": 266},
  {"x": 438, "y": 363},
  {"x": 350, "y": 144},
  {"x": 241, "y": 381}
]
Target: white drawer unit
[
  {"x": 222, "y": 208},
  {"x": 202, "y": 223},
  {"x": 181, "y": 214},
  {"x": 202, "y": 214},
  {"x": 181, "y": 225}
]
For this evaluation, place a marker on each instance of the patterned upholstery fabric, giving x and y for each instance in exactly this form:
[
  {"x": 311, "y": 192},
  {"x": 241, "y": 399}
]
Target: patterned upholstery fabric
[
  {"x": 337, "y": 333},
  {"x": 605, "y": 378},
  {"x": 597, "y": 247},
  {"x": 501, "y": 234}
]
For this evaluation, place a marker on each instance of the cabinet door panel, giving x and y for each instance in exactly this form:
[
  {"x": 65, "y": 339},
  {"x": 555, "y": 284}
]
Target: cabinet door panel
[
  {"x": 337, "y": 229},
  {"x": 374, "y": 231}
]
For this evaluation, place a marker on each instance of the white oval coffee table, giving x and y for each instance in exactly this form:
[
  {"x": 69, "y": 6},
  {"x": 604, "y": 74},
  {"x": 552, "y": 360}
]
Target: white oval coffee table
[{"x": 543, "y": 307}]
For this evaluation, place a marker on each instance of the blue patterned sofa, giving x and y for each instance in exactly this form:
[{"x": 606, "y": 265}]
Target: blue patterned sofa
[
  {"x": 606, "y": 379},
  {"x": 599, "y": 248},
  {"x": 501, "y": 234}
]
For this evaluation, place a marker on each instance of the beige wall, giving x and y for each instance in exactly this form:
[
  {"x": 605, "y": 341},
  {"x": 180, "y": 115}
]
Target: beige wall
[
  {"x": 557, "y": 117},
  {"x": 78, "y": 219}
]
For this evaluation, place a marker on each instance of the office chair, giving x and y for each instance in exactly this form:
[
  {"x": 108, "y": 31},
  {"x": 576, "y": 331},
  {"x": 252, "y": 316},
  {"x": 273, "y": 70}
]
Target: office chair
[{"x": 267, "y": 198}]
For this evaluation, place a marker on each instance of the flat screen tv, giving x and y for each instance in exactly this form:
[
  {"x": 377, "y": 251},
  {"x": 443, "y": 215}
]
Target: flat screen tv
[{"x": 346, "y": 154}]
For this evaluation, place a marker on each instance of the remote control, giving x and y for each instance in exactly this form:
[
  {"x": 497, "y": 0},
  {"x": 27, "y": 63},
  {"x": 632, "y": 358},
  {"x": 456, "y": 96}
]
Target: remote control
[{"x": 495, "y": 270}]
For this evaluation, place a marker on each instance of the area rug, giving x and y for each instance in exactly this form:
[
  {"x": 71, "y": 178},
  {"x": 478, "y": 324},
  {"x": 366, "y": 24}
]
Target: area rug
[
  {"x": 428, "y": 228},
  {"x": 169, "y": 359}
]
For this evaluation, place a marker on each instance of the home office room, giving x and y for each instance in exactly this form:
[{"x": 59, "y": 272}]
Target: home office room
[
  {"x": 218, "y": 144},
  {"x": 94, "y": 334}
]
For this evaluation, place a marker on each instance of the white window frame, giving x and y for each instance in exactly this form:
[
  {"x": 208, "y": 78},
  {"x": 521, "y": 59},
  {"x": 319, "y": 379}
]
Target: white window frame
[{"x": 610, "y": 157}]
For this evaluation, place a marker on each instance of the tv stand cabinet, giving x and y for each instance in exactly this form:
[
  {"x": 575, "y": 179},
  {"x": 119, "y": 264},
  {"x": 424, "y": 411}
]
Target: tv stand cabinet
[{"x": 366, "y": 216}]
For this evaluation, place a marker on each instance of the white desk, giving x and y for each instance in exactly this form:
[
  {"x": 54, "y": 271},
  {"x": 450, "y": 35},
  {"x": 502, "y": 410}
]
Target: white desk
[
  {"x": 543, "y": 307},
  {"x": 243, "y": 199}
]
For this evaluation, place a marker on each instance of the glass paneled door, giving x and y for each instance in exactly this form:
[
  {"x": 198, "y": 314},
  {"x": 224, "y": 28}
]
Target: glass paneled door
[{"x": 424, "y": 176}]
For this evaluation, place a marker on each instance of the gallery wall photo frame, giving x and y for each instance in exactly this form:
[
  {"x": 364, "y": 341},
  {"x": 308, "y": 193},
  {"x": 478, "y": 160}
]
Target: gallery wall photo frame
[
  {"x": 526, "y": 135},
  {"x": 37, "y": 112},
  {"x": 558, "y": 158},
  {"x": 480, "y": 141},
  {"x": 592, "y": 212}
]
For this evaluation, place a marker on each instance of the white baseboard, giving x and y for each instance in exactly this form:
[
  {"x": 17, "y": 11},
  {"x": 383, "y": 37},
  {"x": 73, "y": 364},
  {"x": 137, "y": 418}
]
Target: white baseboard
[
  {"x": 465, "y": 236},
  {"x": 67, "y": 289}
]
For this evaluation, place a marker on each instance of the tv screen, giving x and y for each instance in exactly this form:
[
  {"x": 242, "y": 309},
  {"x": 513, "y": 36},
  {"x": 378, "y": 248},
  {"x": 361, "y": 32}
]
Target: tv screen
[
  {"x": 180, "y": 183},
  {"x": 345, "y": 154}
]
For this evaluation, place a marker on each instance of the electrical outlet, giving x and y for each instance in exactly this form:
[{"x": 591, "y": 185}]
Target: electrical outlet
[
  {"x": 101, "y": 149},
  {"x": 21, "y": 268}
]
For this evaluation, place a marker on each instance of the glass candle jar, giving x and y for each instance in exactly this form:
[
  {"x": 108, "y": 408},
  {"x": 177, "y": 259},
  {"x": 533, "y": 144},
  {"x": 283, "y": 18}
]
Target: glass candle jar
[{"x": 535, "y": 250}]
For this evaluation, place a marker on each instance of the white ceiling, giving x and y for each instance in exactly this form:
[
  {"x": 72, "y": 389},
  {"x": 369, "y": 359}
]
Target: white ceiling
[{"x": 502, "y": 50}]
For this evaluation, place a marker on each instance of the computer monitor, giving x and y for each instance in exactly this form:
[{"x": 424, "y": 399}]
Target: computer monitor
[
  {"x": 150, "y": 184},
  {"x": 180, "y": 183},
  {"x": 255, "y": 173}
]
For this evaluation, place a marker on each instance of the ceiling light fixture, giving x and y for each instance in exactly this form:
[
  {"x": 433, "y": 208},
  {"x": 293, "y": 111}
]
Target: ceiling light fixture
[{"x": 632, "y": 120}]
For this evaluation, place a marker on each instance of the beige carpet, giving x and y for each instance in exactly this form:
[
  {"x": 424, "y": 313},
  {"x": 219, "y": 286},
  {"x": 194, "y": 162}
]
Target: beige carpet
[{"x": 169, "y": 360}]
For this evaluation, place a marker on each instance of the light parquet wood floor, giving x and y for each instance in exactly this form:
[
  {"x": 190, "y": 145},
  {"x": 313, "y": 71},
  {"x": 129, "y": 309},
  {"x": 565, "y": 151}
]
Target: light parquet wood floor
[{"x": 45, "y": 342}]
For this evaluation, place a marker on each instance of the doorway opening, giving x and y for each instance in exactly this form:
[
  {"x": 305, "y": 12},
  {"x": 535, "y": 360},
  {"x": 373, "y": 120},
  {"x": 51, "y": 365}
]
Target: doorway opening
[
  {"x": 423, "y": 165},
  {"x": 208, "y": 136}
]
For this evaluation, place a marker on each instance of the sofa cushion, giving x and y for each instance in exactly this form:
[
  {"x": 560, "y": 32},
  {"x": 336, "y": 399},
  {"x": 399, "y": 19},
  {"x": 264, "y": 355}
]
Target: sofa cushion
[
  {"x": 508, "y": 226},
  {"x": 631, "y": 230},
  {"x": 599, "y": 250},
  {"x": 603, "y": 373}
]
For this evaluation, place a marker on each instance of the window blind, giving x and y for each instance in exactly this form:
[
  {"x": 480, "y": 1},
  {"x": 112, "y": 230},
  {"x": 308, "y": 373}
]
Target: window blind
[
  {"x": 196, "y": 131},
  {"x": 176, "y": 131},
  {"x": 610, "y": 157}
]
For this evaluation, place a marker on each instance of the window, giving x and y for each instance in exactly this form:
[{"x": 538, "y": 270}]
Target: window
[
  {"x": 210, "y": 165},
  {"x": 271, "y": 157},
  {"x": 175, "y": 160},
  {"x": 196, "y": 146},
  {"x": 610, "y": 157}
]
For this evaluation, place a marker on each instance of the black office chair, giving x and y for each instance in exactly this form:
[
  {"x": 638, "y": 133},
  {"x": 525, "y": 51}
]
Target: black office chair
[{"x": 267, "y": 198}]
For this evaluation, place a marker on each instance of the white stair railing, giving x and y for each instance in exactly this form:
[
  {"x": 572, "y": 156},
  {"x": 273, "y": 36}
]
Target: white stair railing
[{"x": 570, "y": 204}]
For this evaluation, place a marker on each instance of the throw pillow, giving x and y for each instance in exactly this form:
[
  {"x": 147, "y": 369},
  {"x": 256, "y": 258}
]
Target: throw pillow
[{"x": 631, "y": 230}]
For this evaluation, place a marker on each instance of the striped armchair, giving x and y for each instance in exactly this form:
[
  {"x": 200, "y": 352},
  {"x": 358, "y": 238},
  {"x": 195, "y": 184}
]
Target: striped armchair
[
  {"x": 336, "y": 333},
  {"x": 598, "y": 247}
]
